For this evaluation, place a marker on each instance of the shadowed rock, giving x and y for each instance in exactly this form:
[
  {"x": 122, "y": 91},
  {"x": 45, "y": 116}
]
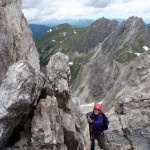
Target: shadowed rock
[
  {"x": 56, "y": 124},
  {"x": 18, "y": 93}
]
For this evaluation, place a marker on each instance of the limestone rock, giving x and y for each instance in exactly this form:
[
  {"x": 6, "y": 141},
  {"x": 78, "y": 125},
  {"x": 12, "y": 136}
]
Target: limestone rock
[
  {"x": 55, "y": 124},
  {"x": 18, "y": 93},
  {"x": 130, "y": 106},
  {"x": 98, "y": 77},
  {"x": 16, "y": 41},
  {"x": 58, "y": 73},
  {"x": 124, "y": 87}
]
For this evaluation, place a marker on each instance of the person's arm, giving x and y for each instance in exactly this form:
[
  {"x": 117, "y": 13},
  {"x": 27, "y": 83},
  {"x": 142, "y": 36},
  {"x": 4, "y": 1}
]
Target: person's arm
[{"x": 98, "y": 122}]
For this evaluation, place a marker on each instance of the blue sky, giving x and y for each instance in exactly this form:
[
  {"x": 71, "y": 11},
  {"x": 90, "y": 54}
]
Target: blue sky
[{"x": 42, "y": 10}]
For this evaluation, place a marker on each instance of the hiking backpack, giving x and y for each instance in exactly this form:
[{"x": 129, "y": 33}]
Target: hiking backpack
[{"x": 105, "y": 124}]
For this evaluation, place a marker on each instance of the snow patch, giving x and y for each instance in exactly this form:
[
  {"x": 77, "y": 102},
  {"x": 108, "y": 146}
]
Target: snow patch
[
  {"x": 74, "y": 31},
  {"x": 70, "y": 63},
  {"x": 146, "y": 48},
  {"x": 50, "y": 30},
  {"x": 64, "y": 33},
  {"x": 138, "y": 54}
]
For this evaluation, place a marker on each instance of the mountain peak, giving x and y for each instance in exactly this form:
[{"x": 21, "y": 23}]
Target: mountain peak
[
  {"x": 104, "y": 20},
  {"x": 135, "y": 21},
  {"x": 131, "y": 34}
]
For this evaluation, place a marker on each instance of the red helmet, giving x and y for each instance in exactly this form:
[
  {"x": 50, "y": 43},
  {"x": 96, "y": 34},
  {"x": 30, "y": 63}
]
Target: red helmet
[{"x": 97, "y": 106}]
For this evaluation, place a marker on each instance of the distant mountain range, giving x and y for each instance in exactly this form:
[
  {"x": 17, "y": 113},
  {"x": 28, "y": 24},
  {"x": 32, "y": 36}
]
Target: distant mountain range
[
  {"x": 80, "y": 43},
  {"x": 74, "y": 22},
  {"x": 40, "y": 27}
]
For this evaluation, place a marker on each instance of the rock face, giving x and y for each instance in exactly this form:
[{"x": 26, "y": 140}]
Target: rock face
[
  {"x": 16, "y": 41},
  {"x": 129, "y": 106},
  {"x": 123, "y": 85},
  {"x": 55, "y": 124},
  {"x": 96, "y": 78},
  {"x": 19, "y": 92},
  {"x": 99, "y": 75}
]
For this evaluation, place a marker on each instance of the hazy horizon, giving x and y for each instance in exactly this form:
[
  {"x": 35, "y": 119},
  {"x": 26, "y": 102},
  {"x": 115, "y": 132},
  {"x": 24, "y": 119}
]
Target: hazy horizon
[{"x": 40, "y": 11}]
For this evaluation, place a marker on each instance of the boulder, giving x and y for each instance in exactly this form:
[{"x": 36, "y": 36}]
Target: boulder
[{"x": 19, "y": 92}]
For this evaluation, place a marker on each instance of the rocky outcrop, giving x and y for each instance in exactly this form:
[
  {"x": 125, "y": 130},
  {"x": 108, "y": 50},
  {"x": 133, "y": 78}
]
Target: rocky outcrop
[
  {"x": 55, "y": 124},
  {"x": 129, "y": 106},
  {"x": 41, "y": 117},
  {"x": 19, "y": 92},
  {"x": 16, "y": 41}
]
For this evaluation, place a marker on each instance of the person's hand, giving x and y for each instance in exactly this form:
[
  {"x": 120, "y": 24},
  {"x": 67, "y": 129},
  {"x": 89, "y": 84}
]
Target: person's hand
[{"x": 89, "y": 120}]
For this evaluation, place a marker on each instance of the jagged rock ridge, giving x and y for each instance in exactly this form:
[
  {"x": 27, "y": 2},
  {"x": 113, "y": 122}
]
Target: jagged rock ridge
[
  {"x": 54, "y": 124},
  {"x": 106, "y": 64}
]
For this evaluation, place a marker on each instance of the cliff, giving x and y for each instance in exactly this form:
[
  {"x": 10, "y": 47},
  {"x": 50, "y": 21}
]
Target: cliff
[{"x": 16, "y": 42}]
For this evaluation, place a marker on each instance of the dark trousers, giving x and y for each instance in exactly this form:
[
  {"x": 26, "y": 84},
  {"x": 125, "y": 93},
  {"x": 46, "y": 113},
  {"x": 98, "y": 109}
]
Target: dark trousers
[{"x": 101, "y": 142}]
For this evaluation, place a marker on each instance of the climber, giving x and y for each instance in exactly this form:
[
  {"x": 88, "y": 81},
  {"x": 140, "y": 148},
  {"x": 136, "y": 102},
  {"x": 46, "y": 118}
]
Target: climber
[{"x": 95, "y": 120}]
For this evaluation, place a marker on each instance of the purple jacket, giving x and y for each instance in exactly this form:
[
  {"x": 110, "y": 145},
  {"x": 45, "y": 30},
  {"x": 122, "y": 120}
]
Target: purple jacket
[{"x": 96, "y": 124}]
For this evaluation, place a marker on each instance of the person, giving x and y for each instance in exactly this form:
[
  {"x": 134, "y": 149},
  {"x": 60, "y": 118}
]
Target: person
[{"x": 95, "y": 120}]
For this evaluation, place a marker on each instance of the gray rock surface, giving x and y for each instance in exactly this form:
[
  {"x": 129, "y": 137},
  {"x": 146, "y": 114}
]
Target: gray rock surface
[
  {"x": 19, "y": 91},
  {"x": 124, "y": 88},
  {"x": 16, "y": 41},
  {"x": 56, "y": 123},
  {"x": 99, "y": 75},
  {"x": 129, "y": 105}
]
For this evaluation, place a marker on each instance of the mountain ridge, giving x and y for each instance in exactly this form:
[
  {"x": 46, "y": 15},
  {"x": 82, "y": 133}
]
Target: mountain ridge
[
  {"x": 81, "y": 41},
  {"x": 106, "y": 65}
]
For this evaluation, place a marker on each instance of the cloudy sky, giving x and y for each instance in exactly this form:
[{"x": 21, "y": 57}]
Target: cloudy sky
[{"x": 42, "y": 10}]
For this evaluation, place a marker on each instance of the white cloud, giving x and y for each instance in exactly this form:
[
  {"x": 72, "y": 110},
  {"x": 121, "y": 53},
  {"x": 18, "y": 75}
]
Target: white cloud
[{"x": 59, "y": 9}]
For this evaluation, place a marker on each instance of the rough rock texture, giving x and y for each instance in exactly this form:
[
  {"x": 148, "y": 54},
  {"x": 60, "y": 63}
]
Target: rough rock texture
[
  {"x": 56, "y": 125},
  {"x": 124, "y": 88},
  {"x": 16, "y": 41},
  {"x": 96, "y": 78},
  {"x": 18, "y": 93},
  {"x": 99, "y": 75},
  {"x": 129, "y": 105}
]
